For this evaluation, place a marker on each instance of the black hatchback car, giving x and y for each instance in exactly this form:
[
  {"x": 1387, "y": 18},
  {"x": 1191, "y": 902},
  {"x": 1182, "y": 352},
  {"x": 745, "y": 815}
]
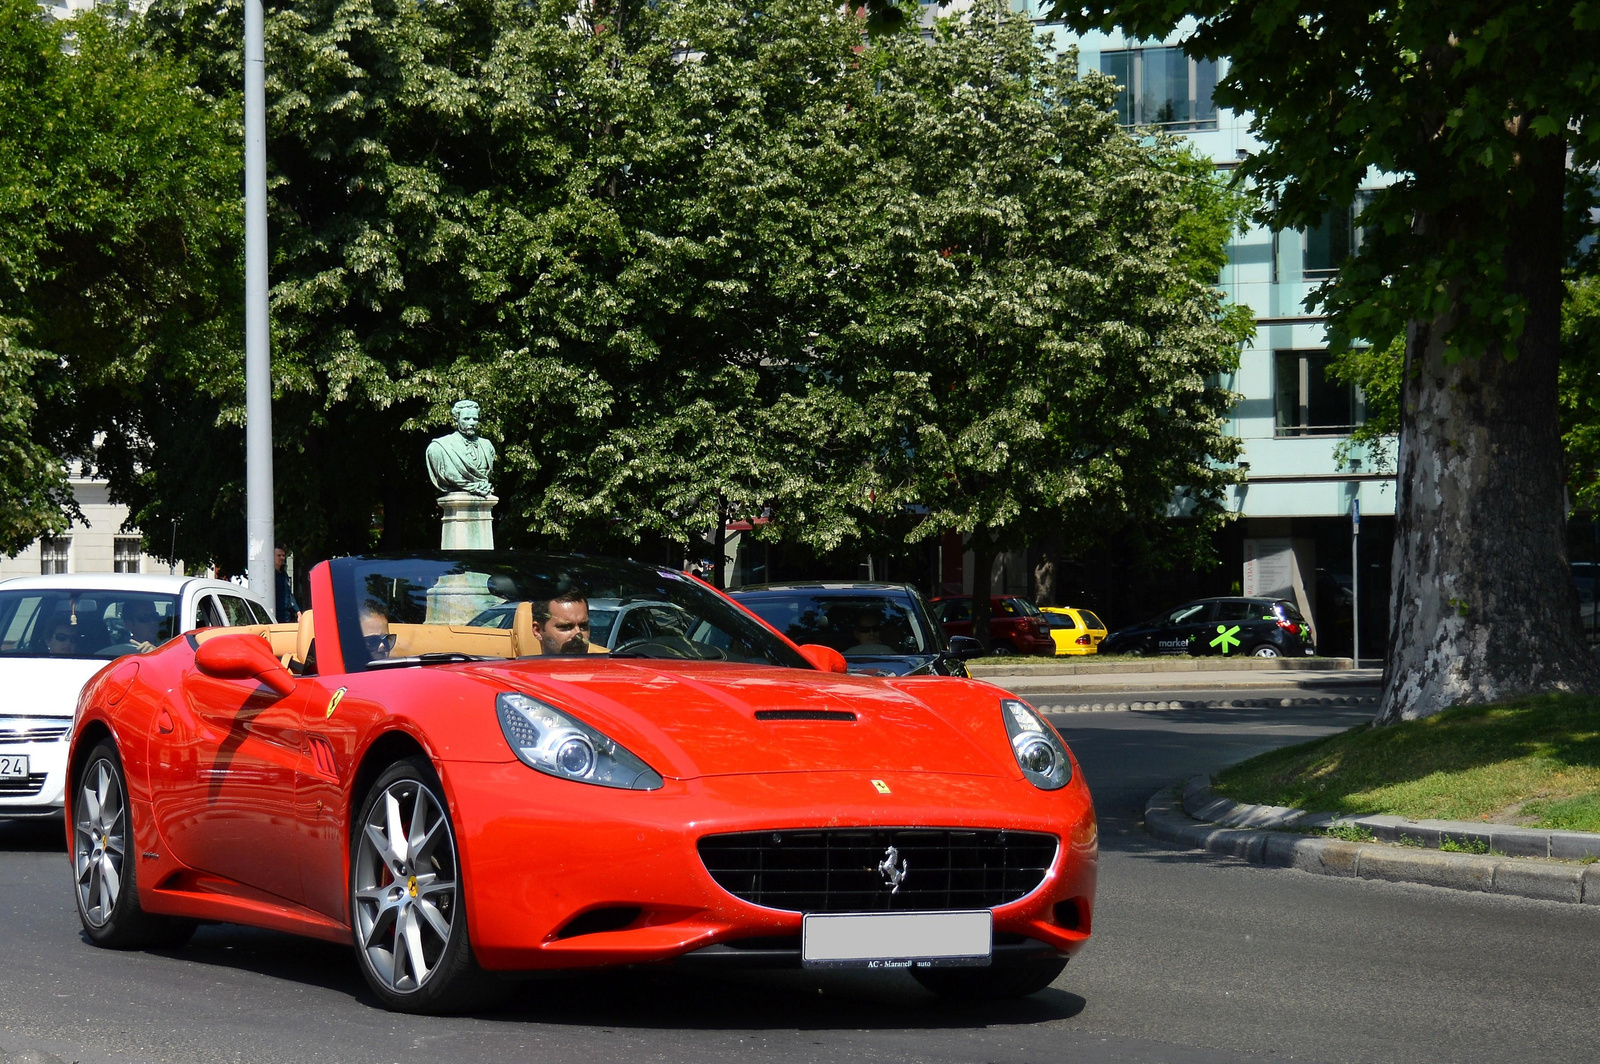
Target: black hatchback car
[
  {"x": 1230, "y": 627},
  {"x": 881, "y": 629}
]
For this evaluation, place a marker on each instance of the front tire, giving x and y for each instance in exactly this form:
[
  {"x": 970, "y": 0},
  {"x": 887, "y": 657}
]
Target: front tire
[
  {"x": 105, "y": 889},
  {"x": 996, "y": 983},
  {"x": 407, "y": 913}
]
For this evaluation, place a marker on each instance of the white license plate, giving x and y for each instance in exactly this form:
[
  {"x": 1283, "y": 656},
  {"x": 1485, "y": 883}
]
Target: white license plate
[
  {"x": 13, "y": 766},
  {"x": 897, "y": 940}
]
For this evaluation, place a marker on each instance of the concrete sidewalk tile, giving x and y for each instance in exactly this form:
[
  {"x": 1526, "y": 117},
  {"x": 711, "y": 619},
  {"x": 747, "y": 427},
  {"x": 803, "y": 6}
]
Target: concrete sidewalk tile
[
  {"x": 1574, "y": 845},
  {"x": 1458, "y": 871},
  {"x": 1547, "y": 882}
]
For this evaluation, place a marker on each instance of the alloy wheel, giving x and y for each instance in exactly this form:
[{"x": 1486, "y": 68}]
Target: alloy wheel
[
  {"x": 405, "y": 885},
  {"x": 99, "y": 847}
]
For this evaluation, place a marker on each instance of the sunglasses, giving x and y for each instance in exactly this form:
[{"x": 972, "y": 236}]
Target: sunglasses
[
  {"x": 60, "y": 637},
  {"x": 378, "y": 644},
  {"x": 143, "y": 618}
]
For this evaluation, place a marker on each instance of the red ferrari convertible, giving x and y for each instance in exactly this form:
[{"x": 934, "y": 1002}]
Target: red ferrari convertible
[{"x": 462, "y": 800}]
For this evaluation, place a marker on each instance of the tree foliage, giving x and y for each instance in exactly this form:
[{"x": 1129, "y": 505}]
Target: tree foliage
[{"x": 113, "y": 205}]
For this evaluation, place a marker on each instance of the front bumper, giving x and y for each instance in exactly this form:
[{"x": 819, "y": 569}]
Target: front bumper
[
  {"x": 43, "y": 793},
  {"x": 540, "y": 853}
]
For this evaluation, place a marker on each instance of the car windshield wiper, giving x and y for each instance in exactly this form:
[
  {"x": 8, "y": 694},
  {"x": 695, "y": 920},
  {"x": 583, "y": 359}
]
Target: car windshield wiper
[{"x": 444, "y": 657}]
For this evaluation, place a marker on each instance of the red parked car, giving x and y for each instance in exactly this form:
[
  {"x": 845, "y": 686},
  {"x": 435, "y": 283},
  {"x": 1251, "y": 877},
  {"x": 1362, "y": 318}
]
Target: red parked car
[{"x": 1015, "y": 625}]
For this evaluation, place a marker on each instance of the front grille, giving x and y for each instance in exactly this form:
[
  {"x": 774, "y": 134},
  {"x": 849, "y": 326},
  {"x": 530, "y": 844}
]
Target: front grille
[
  {"x": 20, "y": 787},
  {"x": 850, "y": 869},
  {"x": 33, "y": 731}
]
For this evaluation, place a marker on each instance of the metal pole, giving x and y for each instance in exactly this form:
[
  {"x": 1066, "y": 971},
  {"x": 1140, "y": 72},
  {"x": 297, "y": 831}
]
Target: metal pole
[
  {"x": 259, "y": 523},
  {"x": 1355, "y": 581}
]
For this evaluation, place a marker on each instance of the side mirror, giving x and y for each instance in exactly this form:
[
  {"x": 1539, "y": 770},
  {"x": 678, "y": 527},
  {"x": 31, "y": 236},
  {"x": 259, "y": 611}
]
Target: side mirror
[
  {"x": 825, "y": 658},
  {"x": 243, "y": 657},
  {"x": 964, "y": 647}
]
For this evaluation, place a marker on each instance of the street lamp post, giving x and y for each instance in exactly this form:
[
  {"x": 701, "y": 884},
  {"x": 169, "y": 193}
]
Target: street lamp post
[{"x": 259, "y": 531}]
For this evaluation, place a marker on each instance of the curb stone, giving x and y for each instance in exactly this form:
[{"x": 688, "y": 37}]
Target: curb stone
[
  {"x": 1520, "y": 877},
  {"x": 1105, "y": 706},
  {"x": 1498, "y": 840}
]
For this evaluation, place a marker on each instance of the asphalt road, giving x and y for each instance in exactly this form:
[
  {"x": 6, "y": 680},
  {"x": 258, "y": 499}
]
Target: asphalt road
[{"x": 1194, "y": 959}]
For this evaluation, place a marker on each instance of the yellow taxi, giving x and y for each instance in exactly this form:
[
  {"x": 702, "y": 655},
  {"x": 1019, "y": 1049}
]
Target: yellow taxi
[{"x": 1074, "y": 631}]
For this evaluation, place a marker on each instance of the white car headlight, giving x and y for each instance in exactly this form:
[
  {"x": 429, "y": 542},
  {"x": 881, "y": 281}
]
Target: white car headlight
[
  {"x": 558, "y": 744},
  {"x": 1038, "y": 749}
]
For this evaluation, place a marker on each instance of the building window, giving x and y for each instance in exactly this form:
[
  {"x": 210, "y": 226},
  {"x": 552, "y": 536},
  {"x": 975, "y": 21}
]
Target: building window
[
  {"x": 1311, "y": 401},
  {"x": 1163, "y": 87},
  {"x": 1338, "y": 237},
  {"x": 125, "y": 557},
  {"x": 53, "y": 551}
]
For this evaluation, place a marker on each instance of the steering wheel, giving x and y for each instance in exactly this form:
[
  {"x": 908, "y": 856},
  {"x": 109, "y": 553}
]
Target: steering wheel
[{"x": 669, "y": 646}]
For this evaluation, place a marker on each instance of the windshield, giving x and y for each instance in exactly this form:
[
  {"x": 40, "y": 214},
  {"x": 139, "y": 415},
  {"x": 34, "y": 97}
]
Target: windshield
[
  {"x": 506, "y": 604},
  {"x": 856, "y": 625},
  {"x": 66, "y": 623}
]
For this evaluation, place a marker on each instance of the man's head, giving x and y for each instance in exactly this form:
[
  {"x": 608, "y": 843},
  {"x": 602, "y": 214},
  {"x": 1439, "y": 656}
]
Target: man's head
[
  {"x": 375, "y": 632},
  {"x": 62, "y": 639},
  {"x": 144, "y": 623},
  {"x": 279, "y": 556},
  {"x": 466, "y": 414},
  {"x": 869, "y": 629},
  {"x": 562, "y": 623}
]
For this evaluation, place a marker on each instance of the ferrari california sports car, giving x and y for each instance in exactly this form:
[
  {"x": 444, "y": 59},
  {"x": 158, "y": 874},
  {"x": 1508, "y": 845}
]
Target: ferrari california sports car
[{"x": 463, "y": 802}]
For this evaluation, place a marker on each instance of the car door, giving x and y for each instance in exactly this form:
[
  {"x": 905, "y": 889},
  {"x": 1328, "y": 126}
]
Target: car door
[
  {"x": 955, "y": 615},
  {"x": 226, "y": 758},
  {"x": 1181, "y": 626},
  {"x": 1232, "y": 629}
]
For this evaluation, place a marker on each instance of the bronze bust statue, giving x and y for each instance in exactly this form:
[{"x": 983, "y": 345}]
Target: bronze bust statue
[{"x": 463, "y": 460}]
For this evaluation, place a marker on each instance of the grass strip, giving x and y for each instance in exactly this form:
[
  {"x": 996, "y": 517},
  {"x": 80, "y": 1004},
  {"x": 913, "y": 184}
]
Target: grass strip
[{"x": 1533, "y": 761}]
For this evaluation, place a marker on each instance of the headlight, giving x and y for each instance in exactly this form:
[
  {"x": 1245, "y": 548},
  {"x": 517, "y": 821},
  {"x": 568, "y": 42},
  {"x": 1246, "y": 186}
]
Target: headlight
[
  {"x": 559, "y": 745},
  {"x": 1039, "y": 751}
]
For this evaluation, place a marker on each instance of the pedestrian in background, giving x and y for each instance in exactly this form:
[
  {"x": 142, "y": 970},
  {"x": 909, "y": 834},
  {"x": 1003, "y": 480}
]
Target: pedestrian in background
[{"x": 287, "y": 608}]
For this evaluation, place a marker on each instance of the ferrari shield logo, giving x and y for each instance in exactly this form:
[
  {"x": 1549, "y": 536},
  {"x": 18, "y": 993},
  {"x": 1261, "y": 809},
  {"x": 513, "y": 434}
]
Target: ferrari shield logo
[
  {"x": 880, "y": 786},
  {"x": 333, "y": 703}
]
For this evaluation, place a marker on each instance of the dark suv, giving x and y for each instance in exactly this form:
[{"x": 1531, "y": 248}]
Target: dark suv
[
  {"x": 1015, "y": 625},
  {"x": 1230, "y": 627}
]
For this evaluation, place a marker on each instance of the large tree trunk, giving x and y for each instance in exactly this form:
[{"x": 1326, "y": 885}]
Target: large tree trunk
[{"x": 1483, "y": 605}]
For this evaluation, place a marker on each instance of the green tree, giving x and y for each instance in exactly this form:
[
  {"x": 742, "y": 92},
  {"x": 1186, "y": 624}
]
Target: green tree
[
  {"x": 113, "y": 210},
  {"x": 1040, "y": 341},
  {"x": 1473, "y": 110}
]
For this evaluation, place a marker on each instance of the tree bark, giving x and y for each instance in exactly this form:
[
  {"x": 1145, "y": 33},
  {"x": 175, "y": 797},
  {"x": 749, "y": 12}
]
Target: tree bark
[
  {"x": 983, "y": 552},
  {"x": 1483, "y": 606}
]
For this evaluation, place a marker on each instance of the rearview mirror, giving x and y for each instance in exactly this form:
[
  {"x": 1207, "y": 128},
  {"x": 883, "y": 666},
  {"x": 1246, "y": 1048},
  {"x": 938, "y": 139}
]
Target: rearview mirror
[
  {"x": 243, "y": 657},
  {"x": 964, "y": 647},
  {"x": 825, "y": 658}
]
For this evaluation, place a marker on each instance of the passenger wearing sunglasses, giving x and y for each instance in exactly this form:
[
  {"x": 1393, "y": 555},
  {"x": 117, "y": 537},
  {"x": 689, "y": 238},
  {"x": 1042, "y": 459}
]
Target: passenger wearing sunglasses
[
  {"x": 62, "y": 640},
  {"x": 869, "y": 636},
  {"x": 375, "y": 634}
]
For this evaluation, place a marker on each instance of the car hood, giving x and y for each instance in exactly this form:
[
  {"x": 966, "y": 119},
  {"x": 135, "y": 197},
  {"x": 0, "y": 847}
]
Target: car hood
[
  {"x": 44, "y": 687},
  {"x": 694, "y": 719}
]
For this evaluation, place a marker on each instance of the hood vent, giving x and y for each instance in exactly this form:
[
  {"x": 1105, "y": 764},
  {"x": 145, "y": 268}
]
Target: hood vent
[{"x": 805, "y": 714}]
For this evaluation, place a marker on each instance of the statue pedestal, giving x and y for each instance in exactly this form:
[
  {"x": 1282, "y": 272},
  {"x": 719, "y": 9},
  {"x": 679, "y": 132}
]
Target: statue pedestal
[{"x": 468, "y": 521}]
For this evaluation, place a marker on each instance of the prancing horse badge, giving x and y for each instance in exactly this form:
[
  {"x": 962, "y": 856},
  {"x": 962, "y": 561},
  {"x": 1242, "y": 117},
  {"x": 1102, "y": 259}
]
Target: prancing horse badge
[{"x": 333, "y": 703}]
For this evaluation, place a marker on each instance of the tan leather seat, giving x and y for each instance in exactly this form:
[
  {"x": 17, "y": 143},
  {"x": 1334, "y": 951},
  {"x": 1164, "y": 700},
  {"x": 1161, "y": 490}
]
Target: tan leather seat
[
  {"x": 524, "y": 641},
  {"x": 303, "y": 637}
]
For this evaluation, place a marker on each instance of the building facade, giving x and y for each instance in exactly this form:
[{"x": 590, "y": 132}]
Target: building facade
[{"x": 101, "y": 545}]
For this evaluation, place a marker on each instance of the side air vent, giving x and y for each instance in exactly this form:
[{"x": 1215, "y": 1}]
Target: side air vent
[
  {"x": 805, "y": 714},
  {"x": 611, "y": 918}
]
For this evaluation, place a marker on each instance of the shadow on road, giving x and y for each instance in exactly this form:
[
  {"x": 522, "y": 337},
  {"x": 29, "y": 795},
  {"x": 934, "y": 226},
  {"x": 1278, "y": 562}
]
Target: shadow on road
[
  {"x": 48, "y": 835},
  {"x": 650, "y": 997}
]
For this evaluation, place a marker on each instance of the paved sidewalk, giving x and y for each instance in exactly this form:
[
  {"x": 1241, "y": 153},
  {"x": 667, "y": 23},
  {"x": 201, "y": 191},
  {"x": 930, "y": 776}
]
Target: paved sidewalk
[{"x": 1210, "y": 680}]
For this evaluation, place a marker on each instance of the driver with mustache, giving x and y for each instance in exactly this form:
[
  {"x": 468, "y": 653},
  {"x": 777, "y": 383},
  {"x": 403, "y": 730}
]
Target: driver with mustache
[{"x": 562, "y": 623}]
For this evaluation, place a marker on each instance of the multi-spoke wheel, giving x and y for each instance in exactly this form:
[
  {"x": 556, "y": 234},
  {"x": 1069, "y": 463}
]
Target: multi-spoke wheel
[
  {"x": 405, "y": 896},
  {"x": 102, "y": 839}
]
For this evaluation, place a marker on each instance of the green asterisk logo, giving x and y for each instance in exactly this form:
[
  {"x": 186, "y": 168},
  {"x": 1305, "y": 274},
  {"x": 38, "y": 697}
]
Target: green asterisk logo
[{"x": 1226, "y": 637}]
